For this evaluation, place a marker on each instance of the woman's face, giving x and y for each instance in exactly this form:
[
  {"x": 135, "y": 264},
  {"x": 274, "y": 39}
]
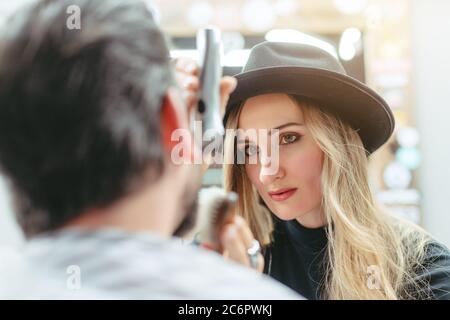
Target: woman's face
[{"x": 294, "y": 190}]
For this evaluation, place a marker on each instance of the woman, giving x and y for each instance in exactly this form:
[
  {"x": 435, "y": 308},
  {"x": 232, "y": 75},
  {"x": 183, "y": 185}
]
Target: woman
[{"x": 322, "y": 232}]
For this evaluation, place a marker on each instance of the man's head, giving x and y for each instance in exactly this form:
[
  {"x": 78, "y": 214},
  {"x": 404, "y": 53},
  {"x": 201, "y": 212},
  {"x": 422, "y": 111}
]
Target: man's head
[{"x": 82, "y": 110}]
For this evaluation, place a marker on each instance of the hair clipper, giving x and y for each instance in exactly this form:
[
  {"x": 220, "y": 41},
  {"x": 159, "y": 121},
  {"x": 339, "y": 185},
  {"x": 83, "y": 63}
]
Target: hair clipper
[{"x": 209, "y": 48}]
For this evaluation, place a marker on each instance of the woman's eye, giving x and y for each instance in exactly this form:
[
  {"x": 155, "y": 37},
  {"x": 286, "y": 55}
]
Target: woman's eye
[
  {"x": 251, "y": 150},
  {"x": 289, "y": 138}
]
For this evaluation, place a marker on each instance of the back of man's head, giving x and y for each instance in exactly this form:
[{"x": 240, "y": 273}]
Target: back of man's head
[{"x": 79, "y": 108}]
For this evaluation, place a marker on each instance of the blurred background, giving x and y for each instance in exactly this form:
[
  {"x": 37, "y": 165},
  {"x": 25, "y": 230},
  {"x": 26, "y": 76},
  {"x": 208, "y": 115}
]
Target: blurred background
[{"x": 399, "y": 48}]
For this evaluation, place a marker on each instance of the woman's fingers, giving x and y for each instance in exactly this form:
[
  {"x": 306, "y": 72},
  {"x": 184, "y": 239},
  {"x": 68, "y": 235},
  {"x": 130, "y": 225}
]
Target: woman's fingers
[
  {"x": 233, "y": 245},
  {"x": 187, "y": 82},
  {"x": 244, "y": 231},
  {"x": 260, "y": 263},
  {"x": 227, "y": 86},
  {"x": 237, "y": 238},
  {"x": 187, "y": 76},
  {"x": 247, "y": 237},
  {"x": 190, "y": 98},
  {"x": 187, "y": 65}
]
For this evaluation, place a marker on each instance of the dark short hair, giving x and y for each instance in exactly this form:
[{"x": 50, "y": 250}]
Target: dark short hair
[{"x": 80, "y": 109}]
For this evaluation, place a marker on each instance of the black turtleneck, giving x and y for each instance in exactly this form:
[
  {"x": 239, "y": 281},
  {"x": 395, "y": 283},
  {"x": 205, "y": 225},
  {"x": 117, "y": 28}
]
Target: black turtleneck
[{"x": 297, "y": 258}]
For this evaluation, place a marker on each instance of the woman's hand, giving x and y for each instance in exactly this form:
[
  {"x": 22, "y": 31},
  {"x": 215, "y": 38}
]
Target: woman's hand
[
  {"x": 236, "y": 239},
  {"x": 187, "y": 75}
]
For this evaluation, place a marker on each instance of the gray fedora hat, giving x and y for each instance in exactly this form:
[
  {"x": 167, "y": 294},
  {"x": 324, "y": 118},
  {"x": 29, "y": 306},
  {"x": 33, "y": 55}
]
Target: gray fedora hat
[{"x": 299, "y": 69}]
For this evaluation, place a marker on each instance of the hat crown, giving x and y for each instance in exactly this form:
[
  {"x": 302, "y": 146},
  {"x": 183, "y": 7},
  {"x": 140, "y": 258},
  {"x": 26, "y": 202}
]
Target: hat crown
[
  {"x": 308, "y": 71},
  {"x": 276, "y": 54}
]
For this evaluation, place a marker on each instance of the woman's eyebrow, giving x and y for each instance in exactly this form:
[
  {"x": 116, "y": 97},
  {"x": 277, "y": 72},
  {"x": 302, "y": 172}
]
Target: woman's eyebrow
[
  {"x": 246, "y": 141},
  {"x": 286, "y": 125}
]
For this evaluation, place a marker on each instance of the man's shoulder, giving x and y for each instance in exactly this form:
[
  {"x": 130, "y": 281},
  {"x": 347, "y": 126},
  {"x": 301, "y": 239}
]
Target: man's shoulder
[
  {"x": 206, "y": 274},
  {"x": 118, "y": 265}
]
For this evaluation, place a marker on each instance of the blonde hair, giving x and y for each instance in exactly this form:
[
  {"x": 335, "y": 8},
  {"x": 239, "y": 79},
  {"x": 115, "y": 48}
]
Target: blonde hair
[{"x": 362, "y": 237}]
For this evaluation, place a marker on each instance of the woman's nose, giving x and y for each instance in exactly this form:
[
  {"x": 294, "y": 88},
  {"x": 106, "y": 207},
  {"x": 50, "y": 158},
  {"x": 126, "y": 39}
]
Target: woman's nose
[{"x": 269, "y": 173}]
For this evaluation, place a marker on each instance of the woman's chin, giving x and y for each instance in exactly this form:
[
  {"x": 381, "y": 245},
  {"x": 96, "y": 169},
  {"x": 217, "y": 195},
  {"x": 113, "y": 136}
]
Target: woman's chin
[
  {"x": 284, "y": 215},
  {"x": 288, "y": 213},
  {"x": 284, "y": 211}
]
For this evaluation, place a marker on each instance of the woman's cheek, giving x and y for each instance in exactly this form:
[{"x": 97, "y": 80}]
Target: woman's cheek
[
  {"x": 304, "y": 166},
  {"x": 252, "y": 172},
  {"x": 306, "y": 169}
]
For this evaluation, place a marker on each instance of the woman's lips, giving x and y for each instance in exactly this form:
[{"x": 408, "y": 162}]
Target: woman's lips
[{"x": 282, "y": 194}]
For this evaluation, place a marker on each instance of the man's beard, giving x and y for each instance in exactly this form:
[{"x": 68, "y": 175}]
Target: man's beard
[
  {"x": 190, "y": 219},
  {"x": 189, "y": 207}
]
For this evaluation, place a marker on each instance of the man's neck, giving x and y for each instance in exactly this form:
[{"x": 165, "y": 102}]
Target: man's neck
[{"x": 151, "y": 208}]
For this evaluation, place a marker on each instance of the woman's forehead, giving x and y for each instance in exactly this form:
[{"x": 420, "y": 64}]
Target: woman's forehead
[{"x": 269, "y": 111}]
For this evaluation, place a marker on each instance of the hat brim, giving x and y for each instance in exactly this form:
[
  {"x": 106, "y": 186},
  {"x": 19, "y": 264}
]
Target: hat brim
[{"x": 347, "y": 98}]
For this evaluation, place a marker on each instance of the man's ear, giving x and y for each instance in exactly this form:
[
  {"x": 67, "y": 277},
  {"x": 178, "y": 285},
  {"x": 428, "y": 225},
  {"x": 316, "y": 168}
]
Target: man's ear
[{"x": 170, "y": 120}]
